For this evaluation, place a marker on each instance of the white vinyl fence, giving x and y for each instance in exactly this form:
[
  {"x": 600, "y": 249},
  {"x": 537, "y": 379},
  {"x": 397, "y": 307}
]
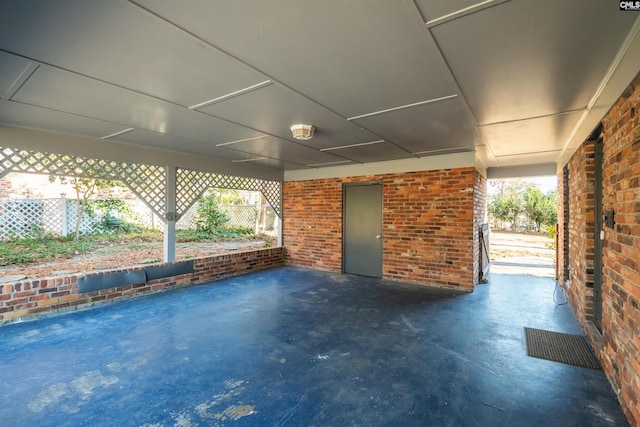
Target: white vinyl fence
[{"x": 33, "y": 217}]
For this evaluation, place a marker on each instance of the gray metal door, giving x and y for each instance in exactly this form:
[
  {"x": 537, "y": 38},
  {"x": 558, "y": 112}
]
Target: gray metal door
[{"x": 362, "y": 229}]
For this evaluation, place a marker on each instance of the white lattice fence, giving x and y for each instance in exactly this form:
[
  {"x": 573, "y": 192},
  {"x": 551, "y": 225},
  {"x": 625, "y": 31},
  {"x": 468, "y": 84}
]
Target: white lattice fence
[
  {"x": 52, "y": 215},
  {"x": 87, "y": 222},
  {"x": 145, "y": 181},
  {"x": 191, "y": 185},
  {"x": 239, "y": 216},
  {"x": 186, "y": 221},
  {"x": 18, "y": 217},
  {"x": 148, "y": 182},
  {"x": 21, "y": 218}
]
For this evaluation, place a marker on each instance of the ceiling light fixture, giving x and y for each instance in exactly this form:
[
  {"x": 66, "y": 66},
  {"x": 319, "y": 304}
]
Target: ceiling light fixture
[{"x": 302, "y": 132}]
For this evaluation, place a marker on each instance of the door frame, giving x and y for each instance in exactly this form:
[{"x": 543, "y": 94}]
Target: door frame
[
  {"x": 346, "y": 185},
  {"x": 598, "y": 242}
]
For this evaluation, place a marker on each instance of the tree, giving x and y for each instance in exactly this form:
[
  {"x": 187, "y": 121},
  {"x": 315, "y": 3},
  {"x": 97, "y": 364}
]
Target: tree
[
  {"x": 84, "y": 189},
  {"x": 516, "y": 201},
  {"x": 540, "y": 209},
  {"x": 506, "y": 208},
  {"x": 210, "y": 218}
]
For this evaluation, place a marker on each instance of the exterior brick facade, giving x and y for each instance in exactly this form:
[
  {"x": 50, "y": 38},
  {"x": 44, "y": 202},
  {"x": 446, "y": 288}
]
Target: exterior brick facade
[
  {"x": 581, "y": 228},
  {"x": 479, "y": 218},
  {"x": 618, "y": 346},
  {"x": 621, "y": 263},
  {"x": 29, "y": 298},
  {"x": 430, "y": 222}
]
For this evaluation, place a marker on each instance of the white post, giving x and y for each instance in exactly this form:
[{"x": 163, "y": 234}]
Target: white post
[
  {"x": 256, "y": 225},
  {"x": 279, "y": 222},
  {"x": 64, "y": 229},
  {"x": 279, "y": 225},
  {"x": 170, "y": 216}
]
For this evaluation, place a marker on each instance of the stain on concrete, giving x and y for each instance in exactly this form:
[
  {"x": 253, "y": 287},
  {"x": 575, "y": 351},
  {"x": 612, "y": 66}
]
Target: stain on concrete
[
  {"x": 235, "y": 412},
  {"x": 48, "y": 397},
  {"x": 85, "y": 384},
  {"x": 67, "y": 397}
]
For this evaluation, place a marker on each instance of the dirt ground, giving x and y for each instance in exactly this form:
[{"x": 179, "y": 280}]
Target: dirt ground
[
  {"x": 114, "y": 256},
  {"x": 522, "y": 253}
]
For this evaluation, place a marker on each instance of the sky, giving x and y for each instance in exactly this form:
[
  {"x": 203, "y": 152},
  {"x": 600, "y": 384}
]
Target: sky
[{"x": 546, "y": 184}]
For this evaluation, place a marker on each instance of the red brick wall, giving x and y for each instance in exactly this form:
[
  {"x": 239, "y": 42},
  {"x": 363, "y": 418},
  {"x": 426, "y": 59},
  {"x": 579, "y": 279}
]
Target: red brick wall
[
  {"x": 561, "y": 230},
  {"x": 28, "y": 298},
  {"x": 621, "y": 262},
  {"x": 579, "y": 287},
  {"x": 618, "y": 347},
  {"x": 312, "y": 223},
  {"x": 428, "y": 225},
  {"x": 479, "y": 218}
]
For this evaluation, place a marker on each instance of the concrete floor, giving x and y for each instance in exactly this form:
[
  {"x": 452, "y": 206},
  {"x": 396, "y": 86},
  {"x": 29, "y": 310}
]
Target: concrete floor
[{"x": 293, "y": 347}]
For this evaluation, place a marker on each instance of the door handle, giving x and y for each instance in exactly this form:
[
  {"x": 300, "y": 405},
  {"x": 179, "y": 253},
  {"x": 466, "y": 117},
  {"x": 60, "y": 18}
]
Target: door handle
[{"x": 378, "y": 236}]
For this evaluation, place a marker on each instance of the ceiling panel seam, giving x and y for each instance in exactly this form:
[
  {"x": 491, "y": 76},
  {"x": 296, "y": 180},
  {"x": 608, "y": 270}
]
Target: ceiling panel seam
[
  {"x": 210, "y": 46},
  {"x": 122, "y": 132},
  {"x": 22, "y": 78},
  {"x": 402, "y": 107},
  {"x": 126, "y": 130},
  {"x": 223, "y": 144},
  {"x": 231, "y": 95},
  {"x": 429, "y": 39},
  {"x": 342, "y": 147},
  {"x": 526, "y": 154},
  {"x": 289, "y": 161},
  {"x": 129, "y": 90},
  {"x": 329, "y": 163},
  {"x": 267, "y": 76},
  {"x": 622, "y": 51},
  {"x": 543, "y": 116},
  {"x": 76, "y": 73},
  {"x": 446, "y": 150},
  {"x": 463, "y": 12}
]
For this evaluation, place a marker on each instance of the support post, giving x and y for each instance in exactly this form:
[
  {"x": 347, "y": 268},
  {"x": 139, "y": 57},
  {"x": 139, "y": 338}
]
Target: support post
[
  {"x": 170, "y": 216},
  {"x": 65, "y": 217},
  {"x": 279, "y": 223}
]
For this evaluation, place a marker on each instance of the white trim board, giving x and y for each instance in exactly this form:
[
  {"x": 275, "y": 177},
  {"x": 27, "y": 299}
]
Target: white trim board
[{"x": 446, "y": 161}]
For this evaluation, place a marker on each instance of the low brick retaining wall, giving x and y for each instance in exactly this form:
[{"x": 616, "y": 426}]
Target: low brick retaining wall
[{"x": 31, "y": 297}]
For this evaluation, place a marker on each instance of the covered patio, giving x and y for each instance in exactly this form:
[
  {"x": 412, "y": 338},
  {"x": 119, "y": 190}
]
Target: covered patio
[
  {"x": 408, "y": 108},
  {"x": 292, "y": 346}
]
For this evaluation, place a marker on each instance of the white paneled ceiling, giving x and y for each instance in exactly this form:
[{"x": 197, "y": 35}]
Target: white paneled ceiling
[{"x": 518, "y": 82}]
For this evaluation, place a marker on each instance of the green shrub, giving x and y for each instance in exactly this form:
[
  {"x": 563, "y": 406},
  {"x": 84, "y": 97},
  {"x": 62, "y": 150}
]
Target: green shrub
[
  {"x": 550, "y": 230},
  {"x": 209, "y": 217}
]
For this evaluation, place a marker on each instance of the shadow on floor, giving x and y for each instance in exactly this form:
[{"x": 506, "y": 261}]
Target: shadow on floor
[{"x": 303, "y": 348}]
